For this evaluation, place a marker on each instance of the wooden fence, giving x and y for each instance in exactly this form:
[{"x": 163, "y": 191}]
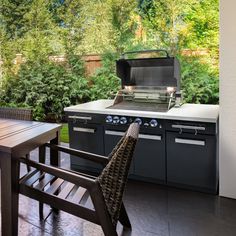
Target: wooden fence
[{"x": 94, "y": 61}]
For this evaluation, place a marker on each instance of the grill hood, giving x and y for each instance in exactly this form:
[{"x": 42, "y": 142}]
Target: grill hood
[{"x": 149, "y": 72}]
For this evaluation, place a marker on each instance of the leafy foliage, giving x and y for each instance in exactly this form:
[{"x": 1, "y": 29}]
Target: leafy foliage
[
  {"x": 105, "y": 83},
  {"x": 199, "y": 83},
  {"x": 47, "y": 87},
  {"x": 39, "y": 29},
  {"x": 12, "y": 15},
  {"x": 165, "y": 21}
]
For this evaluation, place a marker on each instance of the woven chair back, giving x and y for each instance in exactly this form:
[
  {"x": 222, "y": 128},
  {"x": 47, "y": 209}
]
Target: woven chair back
[
  {"x": 113, "y": 178},
  {"x": 16, "y": 113}
]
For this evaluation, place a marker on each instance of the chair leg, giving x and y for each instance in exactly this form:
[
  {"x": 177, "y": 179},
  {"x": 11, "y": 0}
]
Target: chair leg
[
  {"x": 41, "y": 211},
  {"x": 124, "y": 218},
  {"x": 108, "y": 230},
  {"x": 27, "y": 157},
  {"x": 105, "y": 220}
]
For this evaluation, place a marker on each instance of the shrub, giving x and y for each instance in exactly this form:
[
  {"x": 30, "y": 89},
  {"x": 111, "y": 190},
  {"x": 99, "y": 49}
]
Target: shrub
[
  {"x": 200, "y": 83},
  {"x": 47, "y": 87},
  {"x": 105, "y": 83}
]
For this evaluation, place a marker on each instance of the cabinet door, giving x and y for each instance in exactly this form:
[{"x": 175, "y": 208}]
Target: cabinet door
[
  {"x": 112, "y": 137},
  {"x": 150, "y": 157},
  {"x": 89, "y": 138},
  {"x": 191, "y": 160}
]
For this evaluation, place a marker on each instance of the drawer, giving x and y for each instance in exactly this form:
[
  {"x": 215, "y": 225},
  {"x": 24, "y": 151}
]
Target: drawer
[
  {"x": 74, "y": 118},
  {"x": 191, "y": 127}
]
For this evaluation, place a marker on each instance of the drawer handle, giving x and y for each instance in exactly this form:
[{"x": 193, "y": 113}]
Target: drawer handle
[
  {"x": 85, "y": 130},
  {"x": 190, "y": 141},
  {"x": 80, "y": 117},
  {"x": 150, "y": 137},
  {"x": 188, "y": 127},
  {"x": 110, "y": 132},
  {"x": 141, "y": 136}
]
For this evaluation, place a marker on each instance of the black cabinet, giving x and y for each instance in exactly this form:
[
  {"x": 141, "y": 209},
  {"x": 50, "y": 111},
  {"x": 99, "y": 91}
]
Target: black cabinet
[
  {"x": 149, "y": 158},
  {"x": 191, "y": 161},
  {"x": 111, "y": 138},
  {"x": 89, "y": 138},
  {"x": 177, "y": 153}
]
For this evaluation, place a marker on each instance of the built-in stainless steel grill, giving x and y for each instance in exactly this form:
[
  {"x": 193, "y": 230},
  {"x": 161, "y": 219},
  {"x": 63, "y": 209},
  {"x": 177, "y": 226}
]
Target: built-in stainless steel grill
[{"x": 148, "y": 84}]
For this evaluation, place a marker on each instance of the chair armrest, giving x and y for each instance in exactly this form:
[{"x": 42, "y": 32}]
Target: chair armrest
[
  {"x": 74, "y": 178},
  {"x": 85, "y": 155}
]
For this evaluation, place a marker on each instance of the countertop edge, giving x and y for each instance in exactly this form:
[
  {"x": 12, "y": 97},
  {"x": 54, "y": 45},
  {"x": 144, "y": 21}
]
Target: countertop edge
[{"x": 158, "y": 116}]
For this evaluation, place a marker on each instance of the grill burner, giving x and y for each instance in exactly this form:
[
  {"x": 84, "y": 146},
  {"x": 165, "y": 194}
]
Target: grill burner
[
  {"x": 139, "y": 106},
  {"x": 145, "y": 99},
  {"x": 148, "y": 84}
]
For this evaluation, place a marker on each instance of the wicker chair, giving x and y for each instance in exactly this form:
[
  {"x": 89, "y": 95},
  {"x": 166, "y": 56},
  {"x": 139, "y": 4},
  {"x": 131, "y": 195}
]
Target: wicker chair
[
  {"x": 96, "y": 199},
  {"x": 17, "y": 114}
]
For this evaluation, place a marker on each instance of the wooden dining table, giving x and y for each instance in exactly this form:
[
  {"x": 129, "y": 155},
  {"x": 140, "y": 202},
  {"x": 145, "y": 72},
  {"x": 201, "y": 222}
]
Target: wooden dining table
[{"x": 18, "y": 138}]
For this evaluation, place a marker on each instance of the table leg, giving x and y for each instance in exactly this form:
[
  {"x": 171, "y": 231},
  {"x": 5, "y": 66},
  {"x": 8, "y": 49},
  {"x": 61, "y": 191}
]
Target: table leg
[
  {"x": 54, "y": 155},
  {"x": 42, "y": 159},
  {"x": 9, "y": 194}
]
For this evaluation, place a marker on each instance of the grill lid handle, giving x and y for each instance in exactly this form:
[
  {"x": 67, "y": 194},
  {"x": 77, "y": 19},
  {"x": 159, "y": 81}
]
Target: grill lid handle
[{"x": 145, "y": 51}]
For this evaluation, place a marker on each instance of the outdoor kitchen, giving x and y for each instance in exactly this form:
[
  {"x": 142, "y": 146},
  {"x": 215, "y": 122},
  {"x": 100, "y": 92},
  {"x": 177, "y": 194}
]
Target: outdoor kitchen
[
  {"x": 117, "y": 118},
  {"x": 178, "y": 143}
]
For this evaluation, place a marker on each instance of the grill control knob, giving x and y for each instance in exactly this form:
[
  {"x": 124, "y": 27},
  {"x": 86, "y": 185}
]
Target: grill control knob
[
  {"x": 123, "y": 120},
  {"x": 116, "y": 119},
  {"x": 109, "y": 119},
  {"x": 138, "y": 120},
  {"x": 153, "y": 123}
]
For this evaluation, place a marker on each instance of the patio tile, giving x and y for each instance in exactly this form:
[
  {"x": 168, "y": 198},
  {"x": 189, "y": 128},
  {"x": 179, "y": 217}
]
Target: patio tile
[{"x": 154, "y": 210}]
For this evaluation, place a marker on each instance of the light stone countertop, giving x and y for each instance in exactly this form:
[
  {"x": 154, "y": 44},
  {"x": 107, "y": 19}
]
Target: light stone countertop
[{"x": 187, "y": 112}]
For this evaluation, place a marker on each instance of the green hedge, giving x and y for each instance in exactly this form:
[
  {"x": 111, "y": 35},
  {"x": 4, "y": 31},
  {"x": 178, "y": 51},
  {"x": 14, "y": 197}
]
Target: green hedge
[
  {"x": 48, "y": 87},
  {"x": 105, "y": 83},
  {"x": 200, "y": 81}
]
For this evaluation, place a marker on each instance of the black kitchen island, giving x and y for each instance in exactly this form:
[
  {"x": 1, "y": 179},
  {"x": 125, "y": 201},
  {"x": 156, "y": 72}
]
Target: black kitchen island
[{"x": 176, "y": 148}]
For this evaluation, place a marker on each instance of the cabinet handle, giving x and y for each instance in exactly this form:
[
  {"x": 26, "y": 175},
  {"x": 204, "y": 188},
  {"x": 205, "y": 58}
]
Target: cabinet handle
[
  {"x": 141, "y": 136},
  {"x": 85, "y": 130},
  {"x": 80, "y": 117},
  {"x": 117, "y": 133},
  {"x": 188, "y": 127},
  {"x": 190, "y": 141},
  {"x": 150, "y": 137}
]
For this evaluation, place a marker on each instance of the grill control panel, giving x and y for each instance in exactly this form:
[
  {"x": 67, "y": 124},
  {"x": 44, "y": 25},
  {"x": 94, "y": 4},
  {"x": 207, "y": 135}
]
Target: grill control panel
[{"x": 123, "y": 120}]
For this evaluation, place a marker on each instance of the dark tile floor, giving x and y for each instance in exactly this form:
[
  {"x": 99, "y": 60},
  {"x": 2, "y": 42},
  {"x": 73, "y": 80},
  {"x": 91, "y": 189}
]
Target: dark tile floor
[{"x": 153, "y": 210}]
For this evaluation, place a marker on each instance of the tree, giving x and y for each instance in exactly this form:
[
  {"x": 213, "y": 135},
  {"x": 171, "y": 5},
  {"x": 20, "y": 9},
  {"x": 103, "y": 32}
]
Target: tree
[
  {"x": 123, "y": 22},
  {"x": 70, "y": 18},
  {"x": 108, "y": 25},
  {"x": 165, "y": 22},
  {"x": 12, "y": 17},
  {"x": 204, "y": 21}
]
